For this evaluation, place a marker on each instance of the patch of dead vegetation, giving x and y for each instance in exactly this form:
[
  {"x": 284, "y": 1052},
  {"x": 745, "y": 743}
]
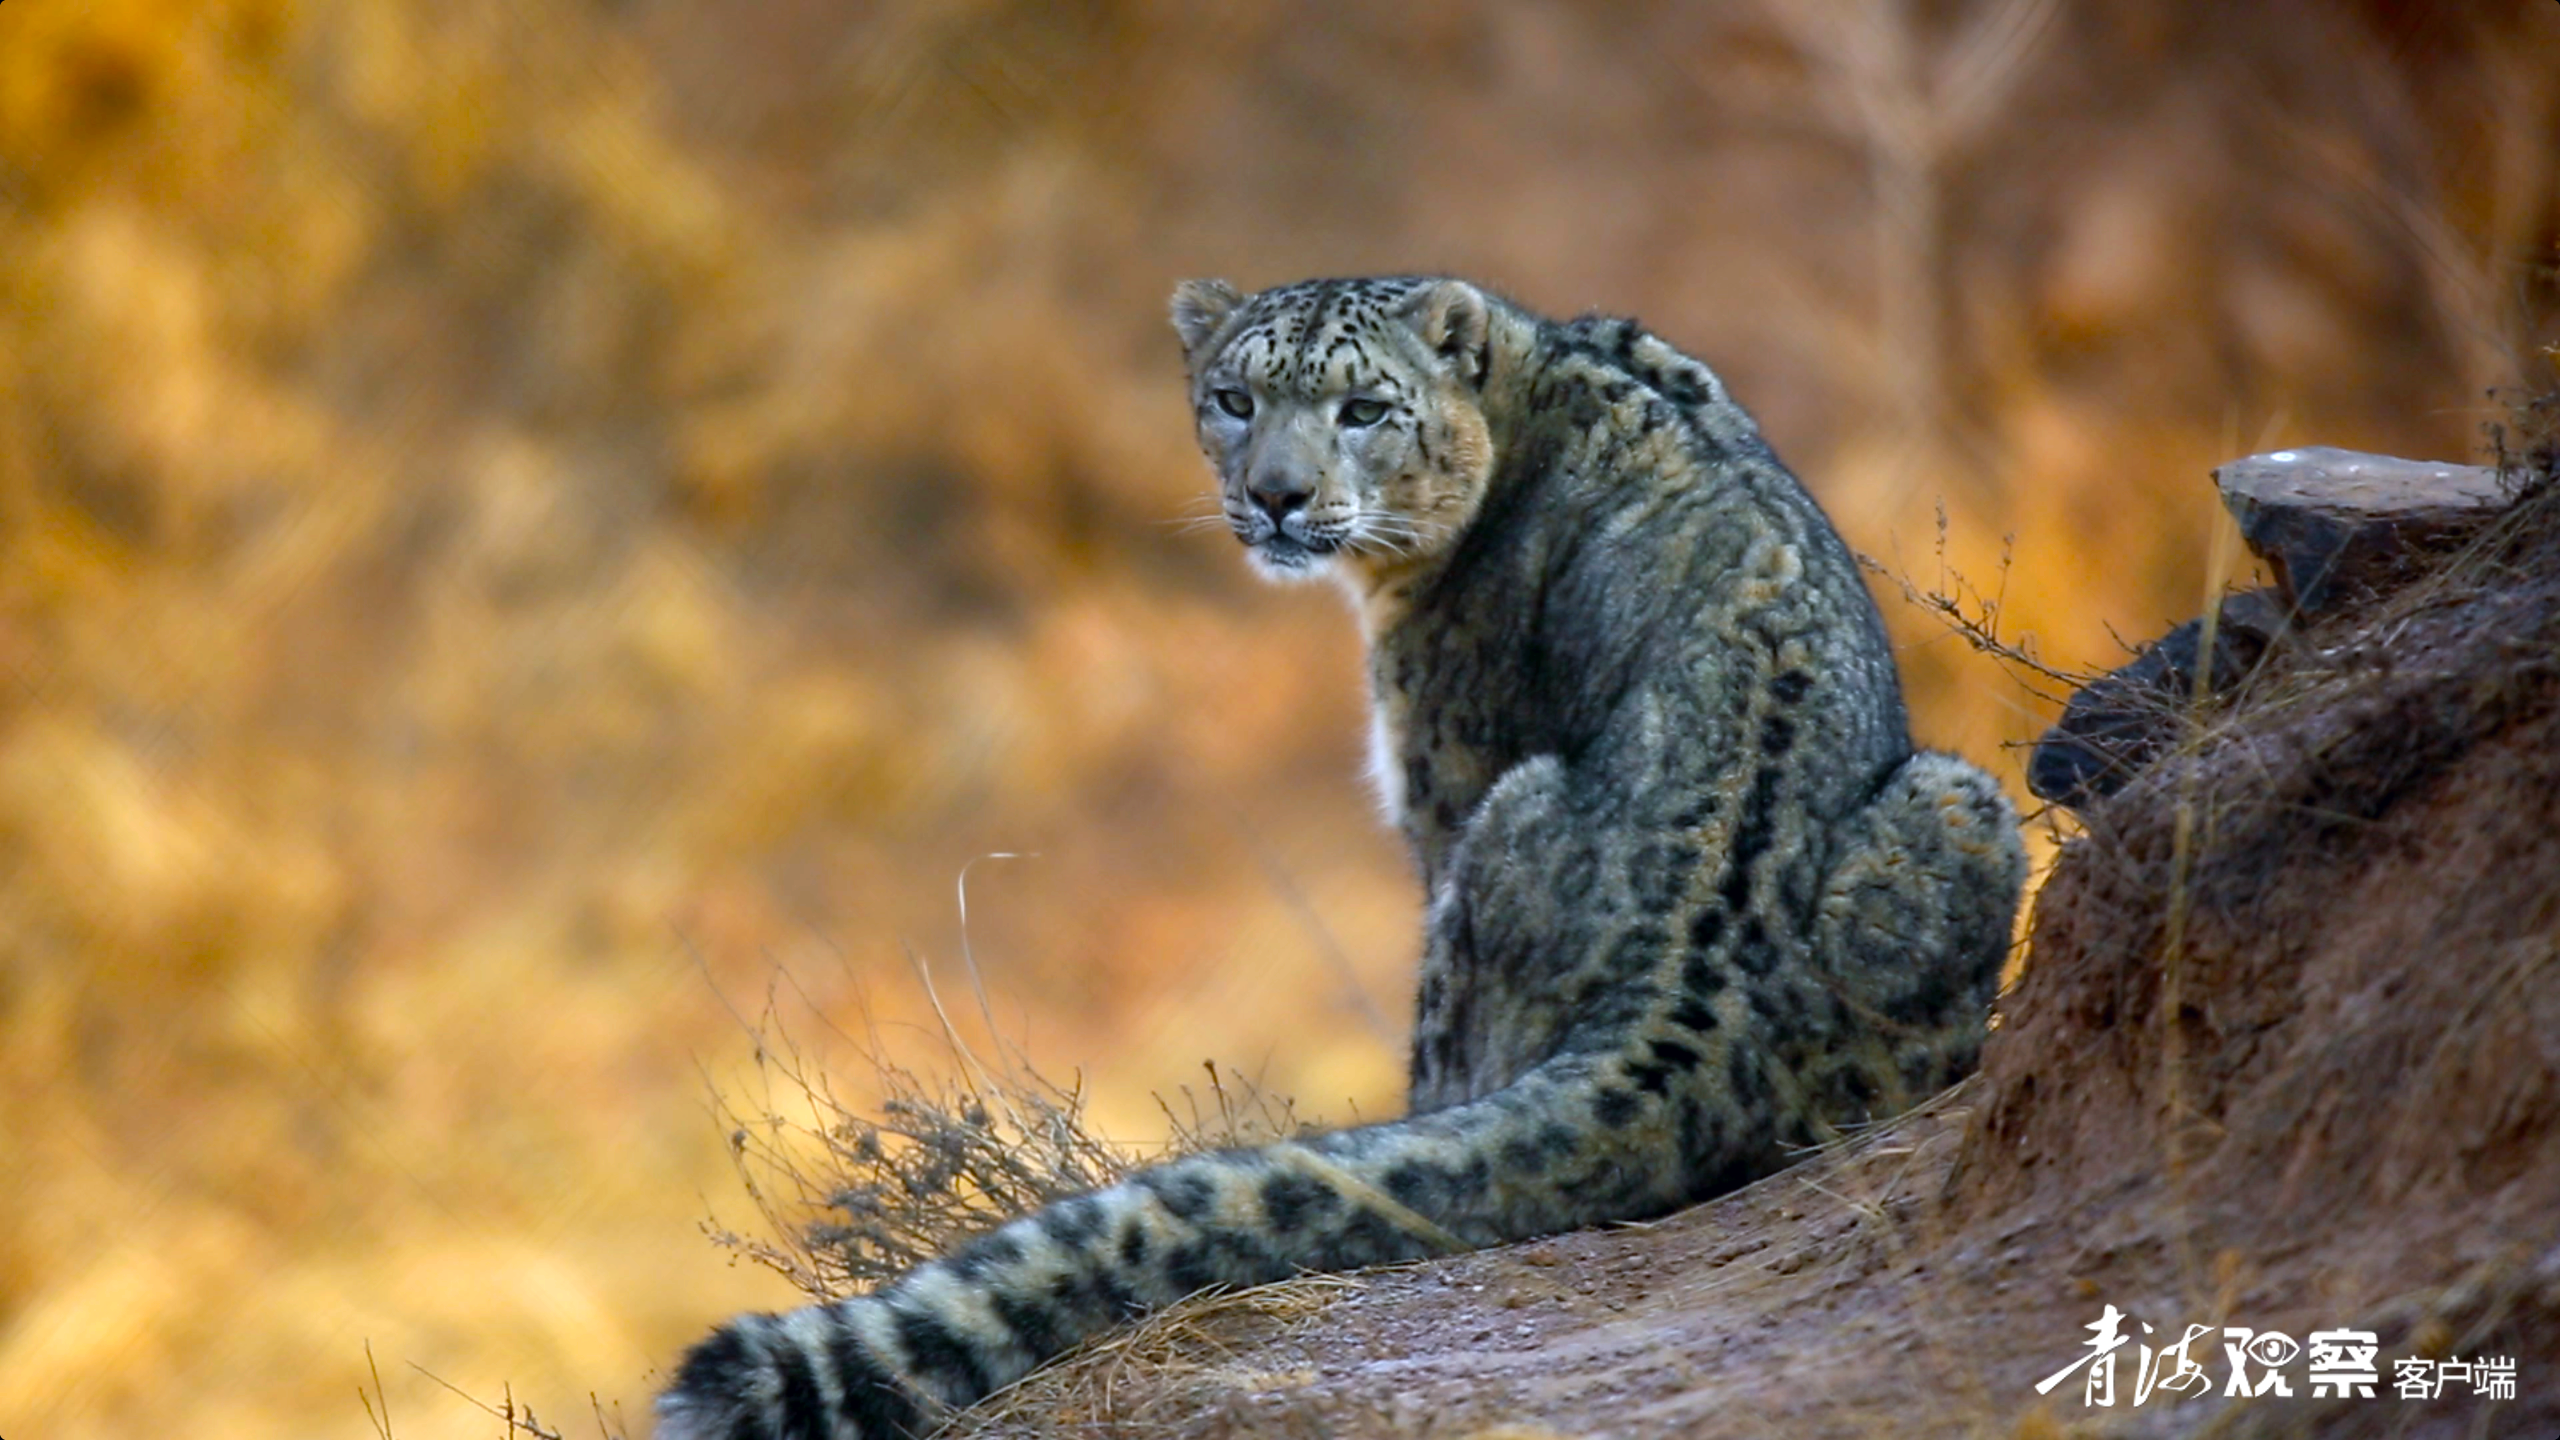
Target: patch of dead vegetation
[{"x": 933, "y": 1164}]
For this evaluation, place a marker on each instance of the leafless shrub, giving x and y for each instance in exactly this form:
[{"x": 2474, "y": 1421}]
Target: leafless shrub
[{"x": 933, "y": 1162}]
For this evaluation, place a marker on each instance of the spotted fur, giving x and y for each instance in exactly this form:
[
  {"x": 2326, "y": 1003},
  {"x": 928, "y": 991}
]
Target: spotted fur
[{"x": 1694, "y": 901}]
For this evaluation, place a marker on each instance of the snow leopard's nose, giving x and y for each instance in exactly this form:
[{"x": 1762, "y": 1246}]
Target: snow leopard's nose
[{"x": 1281, "y": 490}]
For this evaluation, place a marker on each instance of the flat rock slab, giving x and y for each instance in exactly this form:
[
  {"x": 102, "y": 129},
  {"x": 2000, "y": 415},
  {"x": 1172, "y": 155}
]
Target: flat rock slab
[{"x": 2332, "y": 521}]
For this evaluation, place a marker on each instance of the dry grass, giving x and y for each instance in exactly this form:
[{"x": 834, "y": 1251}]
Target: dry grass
[
  {"x": 922, "y": 1170},
  {"x": 1161, "y": 1368},
  {"x": 925, "y": 1166},
  {"x": 1974, "y": 615}
]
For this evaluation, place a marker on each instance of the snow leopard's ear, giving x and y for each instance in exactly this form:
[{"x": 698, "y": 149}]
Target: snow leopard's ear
[
  {"x": 1452, "y": 317},
  {"x": 1199, "y": 308}
]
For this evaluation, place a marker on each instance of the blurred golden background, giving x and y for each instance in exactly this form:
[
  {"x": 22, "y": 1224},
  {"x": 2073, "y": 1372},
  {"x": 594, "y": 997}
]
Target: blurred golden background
[{"x": 531, "y": 528}]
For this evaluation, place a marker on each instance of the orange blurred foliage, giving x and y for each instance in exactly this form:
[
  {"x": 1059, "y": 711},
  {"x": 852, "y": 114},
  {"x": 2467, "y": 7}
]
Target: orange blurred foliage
[{"x": 526, "y": 526}]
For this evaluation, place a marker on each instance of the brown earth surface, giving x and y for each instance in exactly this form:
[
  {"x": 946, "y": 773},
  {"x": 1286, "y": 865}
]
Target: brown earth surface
[{"x": 2345, "y": 889}]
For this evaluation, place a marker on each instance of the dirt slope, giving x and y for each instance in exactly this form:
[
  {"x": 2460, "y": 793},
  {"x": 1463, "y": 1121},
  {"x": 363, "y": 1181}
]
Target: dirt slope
[{"x": 2286, "y": 1056}]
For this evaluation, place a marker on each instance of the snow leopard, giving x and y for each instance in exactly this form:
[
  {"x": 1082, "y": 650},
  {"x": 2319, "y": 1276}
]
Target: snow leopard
[{"x": 1693, "y": 900}]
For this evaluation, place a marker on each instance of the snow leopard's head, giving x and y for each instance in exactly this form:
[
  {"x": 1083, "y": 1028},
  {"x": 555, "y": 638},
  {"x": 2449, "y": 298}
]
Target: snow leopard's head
[{"x": 1344, "y": 417}]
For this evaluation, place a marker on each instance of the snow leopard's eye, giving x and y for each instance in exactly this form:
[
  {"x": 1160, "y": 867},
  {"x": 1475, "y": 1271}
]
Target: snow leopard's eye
[
  {"x": 1234, "y": 402},
  {"x": 1363, "y": 412}
]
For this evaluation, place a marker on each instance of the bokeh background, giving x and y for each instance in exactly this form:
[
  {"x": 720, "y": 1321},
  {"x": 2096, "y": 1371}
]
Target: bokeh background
[{"x": 534, "y": 532}]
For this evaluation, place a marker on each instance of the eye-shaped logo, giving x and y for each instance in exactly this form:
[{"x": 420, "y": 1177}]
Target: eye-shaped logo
[{"x": 2273, "y": 1349}]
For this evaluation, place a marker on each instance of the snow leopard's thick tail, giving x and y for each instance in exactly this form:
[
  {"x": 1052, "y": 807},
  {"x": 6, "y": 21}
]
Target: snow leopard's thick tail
[{"x": 1575, "y": 1141}]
